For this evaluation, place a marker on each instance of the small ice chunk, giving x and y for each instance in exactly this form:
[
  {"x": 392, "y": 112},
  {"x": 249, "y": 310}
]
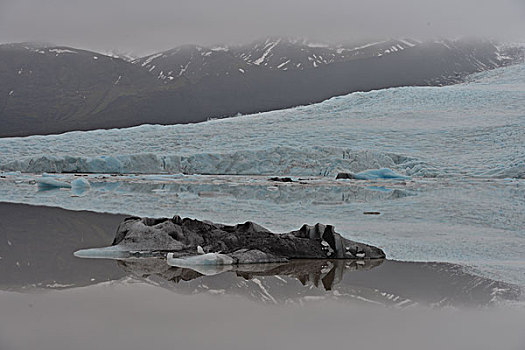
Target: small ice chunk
[
  {"x": 79, "y": 186},
  {"x": 49, "y": 175},
  {"x": 48, "y": 183},
  {"x": 10, "y": 173},
  {"x": 80, "y": 183},
  {"x": 383, "y": 173},
  {"x": 112, "y": 252}
]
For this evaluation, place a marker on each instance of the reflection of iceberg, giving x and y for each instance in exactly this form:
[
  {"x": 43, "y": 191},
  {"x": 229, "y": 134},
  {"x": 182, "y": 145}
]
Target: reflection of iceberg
[
  {"x": 322, "y": 274},
  {"x": 384, "y": 282},
  {"x": 206, "y": 264},
  {"x": 257, "y": 189}
]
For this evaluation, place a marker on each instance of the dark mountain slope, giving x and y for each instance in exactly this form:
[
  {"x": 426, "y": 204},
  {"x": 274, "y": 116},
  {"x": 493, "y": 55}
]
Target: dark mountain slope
[
  {"x": 54, "y": 89},
  {"x": 49, "y": 89},
  {"x": 266, "y": 89}
]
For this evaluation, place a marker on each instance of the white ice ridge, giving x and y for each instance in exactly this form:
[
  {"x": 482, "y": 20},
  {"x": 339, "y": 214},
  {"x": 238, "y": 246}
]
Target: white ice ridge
[{"x": 313, "y": 161}]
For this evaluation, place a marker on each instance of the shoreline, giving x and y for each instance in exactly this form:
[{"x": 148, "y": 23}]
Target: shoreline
[
  {"x": 39, "y": 241},
  {"x": 60, "y": 302}
]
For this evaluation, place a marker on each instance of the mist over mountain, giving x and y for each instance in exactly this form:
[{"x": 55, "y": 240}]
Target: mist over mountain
[
  {"x": 144, "y": 28},
  {"x": 52, "y": 89}
]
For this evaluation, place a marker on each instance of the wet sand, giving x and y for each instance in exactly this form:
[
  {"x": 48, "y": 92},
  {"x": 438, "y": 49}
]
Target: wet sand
[
  {"x": 51, "y": 300},
  {"x": 36, "y": 246}
]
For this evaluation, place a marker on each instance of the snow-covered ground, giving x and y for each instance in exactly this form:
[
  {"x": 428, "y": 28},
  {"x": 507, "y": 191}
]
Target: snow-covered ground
[{"x": 463, "y": 147}]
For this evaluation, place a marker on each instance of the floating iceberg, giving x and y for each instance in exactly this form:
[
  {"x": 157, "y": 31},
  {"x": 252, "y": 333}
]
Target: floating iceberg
[
  {"x": 246, "y": 243},
  {"x": 112, "y": 252},
  {"x": 80, "y": 183},
  {"x": 79, "y": 186},
  {"x": 373, "y": 174},
  {"x": 49, "y": 183}
]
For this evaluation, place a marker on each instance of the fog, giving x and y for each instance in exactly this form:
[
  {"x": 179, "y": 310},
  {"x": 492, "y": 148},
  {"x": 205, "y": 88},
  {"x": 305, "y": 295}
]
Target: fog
[{"x": 141, "y": 27}]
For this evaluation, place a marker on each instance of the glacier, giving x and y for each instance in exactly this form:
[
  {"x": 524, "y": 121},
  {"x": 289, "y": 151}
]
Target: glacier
[
  {"x": 312, "y": 161},
  {"x": 459, "y": 151},
  {"x": 471, "y": 129}
]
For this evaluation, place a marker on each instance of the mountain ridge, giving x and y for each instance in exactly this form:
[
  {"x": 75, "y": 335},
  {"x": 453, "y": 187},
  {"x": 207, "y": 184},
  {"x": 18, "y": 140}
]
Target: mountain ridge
[{"x": 52, "y": 89}]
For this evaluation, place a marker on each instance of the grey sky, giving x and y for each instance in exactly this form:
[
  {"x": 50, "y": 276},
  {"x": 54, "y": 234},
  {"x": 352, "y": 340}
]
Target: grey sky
[{"x": 145, "y": 26}]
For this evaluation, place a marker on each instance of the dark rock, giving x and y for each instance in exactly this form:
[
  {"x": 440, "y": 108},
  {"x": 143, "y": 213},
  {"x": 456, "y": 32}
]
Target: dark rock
[
  {"x": 281, "y": 179},
  {"x": 345, "y": 176},
  {"x": 245, "y": 243}
]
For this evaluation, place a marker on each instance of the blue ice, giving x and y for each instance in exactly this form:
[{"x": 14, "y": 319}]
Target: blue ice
[
  {"x": 79, "y": 186},
  {"x": 49, "y": 183},
  {"x": 375, "y": 174}
]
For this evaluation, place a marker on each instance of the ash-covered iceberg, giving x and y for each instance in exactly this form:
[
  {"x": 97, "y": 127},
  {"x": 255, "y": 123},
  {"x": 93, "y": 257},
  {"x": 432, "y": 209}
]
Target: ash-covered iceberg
[{"x": 245, "y": 243}]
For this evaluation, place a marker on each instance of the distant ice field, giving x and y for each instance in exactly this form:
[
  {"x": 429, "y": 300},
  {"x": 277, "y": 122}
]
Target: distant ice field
[
  {"x": 472, "y": 129},
  {"x": 463, "y": 147}
]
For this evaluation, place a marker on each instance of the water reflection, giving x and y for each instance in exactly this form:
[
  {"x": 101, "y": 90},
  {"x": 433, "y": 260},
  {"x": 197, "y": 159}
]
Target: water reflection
[
  {"x": 322, "y": 274},
  {"x": 384, "y": 282},
  {"x": 259, "y": 190}
]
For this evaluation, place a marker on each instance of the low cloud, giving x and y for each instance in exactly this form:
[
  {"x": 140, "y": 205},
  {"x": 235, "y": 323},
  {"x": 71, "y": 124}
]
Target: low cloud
[{"x": 146, "y": 26}]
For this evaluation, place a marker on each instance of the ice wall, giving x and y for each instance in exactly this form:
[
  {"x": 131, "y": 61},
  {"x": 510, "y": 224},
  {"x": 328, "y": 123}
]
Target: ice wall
[{"x": 314, "y": 161}]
